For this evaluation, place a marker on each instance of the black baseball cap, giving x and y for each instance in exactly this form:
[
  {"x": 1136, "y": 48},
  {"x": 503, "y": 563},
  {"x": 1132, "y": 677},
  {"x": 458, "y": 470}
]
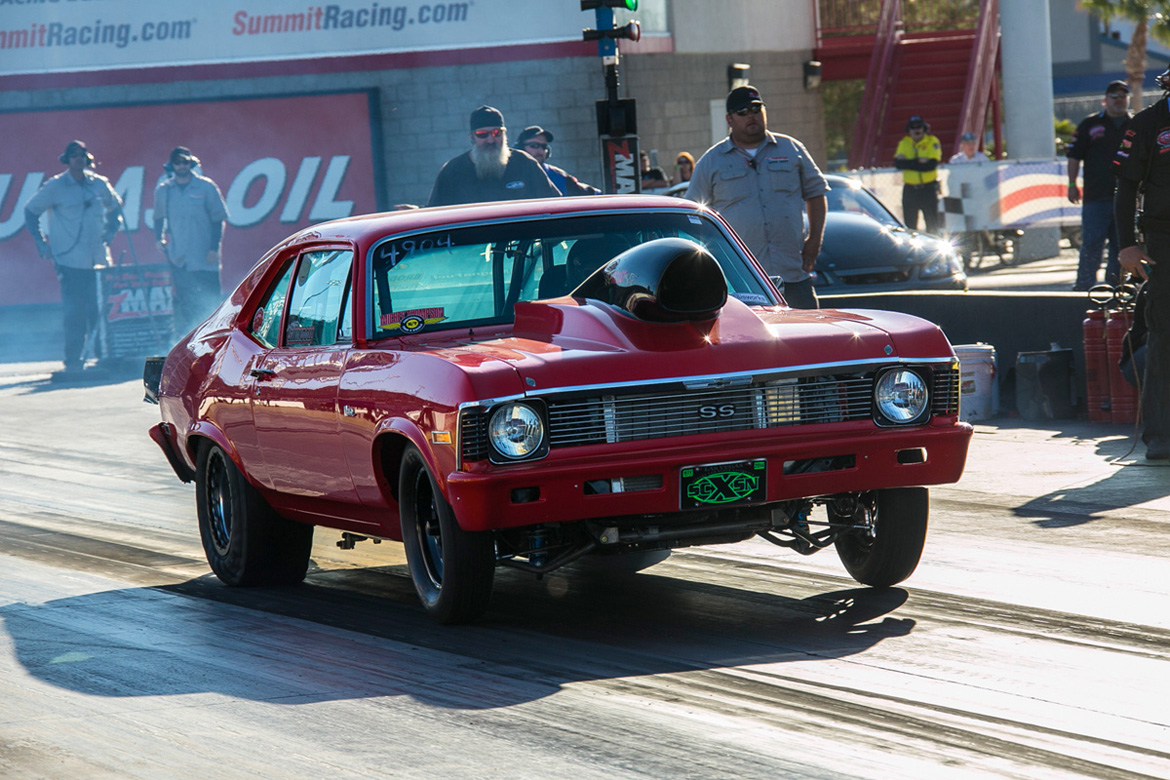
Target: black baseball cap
[
  {"x": 531, "y": 132},
  {"x": 742, "y": 97},
  {"x": 1115, "y": 85},
  {"x": 486, "y": 116}
]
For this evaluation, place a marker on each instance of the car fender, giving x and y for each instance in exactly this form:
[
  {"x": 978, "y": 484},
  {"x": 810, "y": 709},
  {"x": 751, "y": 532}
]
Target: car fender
[
  {"x": 391, "y": 435},
  {"x": 204, "y": 429}
]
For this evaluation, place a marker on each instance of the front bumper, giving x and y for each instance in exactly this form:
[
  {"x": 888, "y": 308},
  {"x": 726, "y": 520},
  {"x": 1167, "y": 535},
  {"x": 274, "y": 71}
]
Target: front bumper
[{"x": 555, "y": 489}]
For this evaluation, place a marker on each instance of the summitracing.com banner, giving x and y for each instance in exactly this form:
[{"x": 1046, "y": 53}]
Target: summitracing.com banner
[
  {"x": 48, "y": 36},
  {"x": 282, "y": 163}
]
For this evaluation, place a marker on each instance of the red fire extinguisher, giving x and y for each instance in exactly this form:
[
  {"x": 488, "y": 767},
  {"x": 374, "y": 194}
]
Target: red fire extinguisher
[
  {"x": 1123, "y": 397},
  {"x": 1097, "y": 374}
]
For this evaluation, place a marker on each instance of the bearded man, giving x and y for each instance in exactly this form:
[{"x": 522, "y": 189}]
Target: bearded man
[{"x": 490, "y": 170}]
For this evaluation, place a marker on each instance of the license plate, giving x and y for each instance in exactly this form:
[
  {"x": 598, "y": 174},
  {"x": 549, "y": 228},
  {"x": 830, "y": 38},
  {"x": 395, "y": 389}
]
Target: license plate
[{"x": 723, "y": 484}]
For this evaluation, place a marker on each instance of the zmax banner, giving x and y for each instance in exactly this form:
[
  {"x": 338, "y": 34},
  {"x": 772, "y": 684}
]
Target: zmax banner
[{"x": 281, "y": 163}]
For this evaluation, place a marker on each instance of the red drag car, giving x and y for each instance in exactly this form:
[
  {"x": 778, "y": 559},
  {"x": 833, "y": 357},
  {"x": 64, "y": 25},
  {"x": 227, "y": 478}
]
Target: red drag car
[{"x": 523, "y": 384}]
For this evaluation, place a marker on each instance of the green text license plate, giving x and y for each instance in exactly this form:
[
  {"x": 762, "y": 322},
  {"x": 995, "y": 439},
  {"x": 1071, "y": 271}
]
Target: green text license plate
[{"x": 723, "y": 484}]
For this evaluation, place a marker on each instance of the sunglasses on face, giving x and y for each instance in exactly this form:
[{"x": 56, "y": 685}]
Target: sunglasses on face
[
  {"x": 1118, "y": 95},
  {"x": 536, "y": 145},
  {"x": 495, "y": 132},
  {"x": 752, "y": 109}
]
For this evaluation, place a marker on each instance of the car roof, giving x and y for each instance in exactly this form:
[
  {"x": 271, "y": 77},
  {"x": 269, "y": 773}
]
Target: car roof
[{"x": 372, "y": 226}]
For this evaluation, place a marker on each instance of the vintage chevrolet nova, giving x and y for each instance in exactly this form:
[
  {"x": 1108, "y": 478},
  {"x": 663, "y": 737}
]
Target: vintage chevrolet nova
[{"x": 524, "y": 384}]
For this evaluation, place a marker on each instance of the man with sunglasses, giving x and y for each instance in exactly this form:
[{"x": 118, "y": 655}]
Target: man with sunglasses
[
  {"x": 490, "y": 170},
  {"x": 189, "y": 216},
  {"x": 536, "y": 141},
  {"x": 1097, "y": 138},
  {"x": 83, "y": 213},
  {"x": 763, "y": 183},
  {"x": 917, "y": 156}
]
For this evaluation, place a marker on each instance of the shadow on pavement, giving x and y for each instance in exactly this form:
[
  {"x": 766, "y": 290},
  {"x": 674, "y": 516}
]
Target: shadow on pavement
[{"x": 321, "y": 642}]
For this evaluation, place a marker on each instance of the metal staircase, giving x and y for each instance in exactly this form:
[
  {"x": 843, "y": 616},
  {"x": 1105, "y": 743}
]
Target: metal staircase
[{"x": 946, "y": 74}]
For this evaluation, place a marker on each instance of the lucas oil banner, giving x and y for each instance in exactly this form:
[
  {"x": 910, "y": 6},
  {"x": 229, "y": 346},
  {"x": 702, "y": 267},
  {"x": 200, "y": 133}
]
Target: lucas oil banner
[{"x": 281, "y": 163}]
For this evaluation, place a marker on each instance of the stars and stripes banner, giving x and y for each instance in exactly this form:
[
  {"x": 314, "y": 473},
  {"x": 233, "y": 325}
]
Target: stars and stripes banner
[{"x": 991, "y": 195}]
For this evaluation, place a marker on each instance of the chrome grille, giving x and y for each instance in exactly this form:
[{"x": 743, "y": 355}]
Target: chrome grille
[
  {"x": 613, "y": 418},
  {"x": 946, "y": 392},
  {"x": 473, "y": 437},
  {"x": 805, "y": 401}
]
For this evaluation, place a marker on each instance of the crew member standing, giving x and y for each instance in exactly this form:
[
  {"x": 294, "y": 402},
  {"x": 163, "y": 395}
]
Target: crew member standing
[
  {"x": 490, "y": 171},
  {"x": 1140, "y": 162},
  {"x": 84, "y": 214},
  {"x": 917, "y": 156},
  {"x": 762, "y": 183},
  {"x": 1095, "y": 144},
  {"x": 189, "y": 216},
  {"x": 537, "y": 142}
]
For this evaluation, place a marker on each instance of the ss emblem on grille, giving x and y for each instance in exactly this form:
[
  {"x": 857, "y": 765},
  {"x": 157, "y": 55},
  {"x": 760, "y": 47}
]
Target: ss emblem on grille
[{"x": 711, "y": 412}]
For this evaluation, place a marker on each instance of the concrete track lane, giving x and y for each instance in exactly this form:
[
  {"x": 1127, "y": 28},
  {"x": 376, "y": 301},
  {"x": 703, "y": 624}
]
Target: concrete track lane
[{"x": 1031, "y": 643}]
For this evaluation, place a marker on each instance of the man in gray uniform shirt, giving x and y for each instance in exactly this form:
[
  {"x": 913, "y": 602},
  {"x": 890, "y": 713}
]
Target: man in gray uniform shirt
[
  {"x": 761, "y": 182},
  {"x": 84, "y": 213},
  {"x": 188, "y": 224}
]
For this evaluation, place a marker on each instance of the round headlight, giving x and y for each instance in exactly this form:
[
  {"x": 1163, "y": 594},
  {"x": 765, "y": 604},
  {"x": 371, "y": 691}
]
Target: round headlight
[
  {"x": 901, "y": 395},
  {"x": 516, "y": 431}
]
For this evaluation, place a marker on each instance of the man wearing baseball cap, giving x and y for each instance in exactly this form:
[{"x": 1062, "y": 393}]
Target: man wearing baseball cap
[
  {"x": 1097, "y": 138},
  {"x": 917, "y": 157},
  {"x": 189, "y": 217},
  {"x": 537, "y": 142},
  {"x": 490, "y": 170},
  {"x": 968, "y": 151},
  {"x": 763, "y": 183},
  {"x": 83, "y": 213}
]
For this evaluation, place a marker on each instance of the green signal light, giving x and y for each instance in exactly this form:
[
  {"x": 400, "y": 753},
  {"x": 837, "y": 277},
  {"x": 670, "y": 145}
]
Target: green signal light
[{"x": 589, "y": 5}]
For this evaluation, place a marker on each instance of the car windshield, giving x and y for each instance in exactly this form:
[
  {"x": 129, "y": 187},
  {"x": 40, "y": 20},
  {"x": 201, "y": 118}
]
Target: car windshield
[
  {"x": 851, "y": 198},
  {"x": 471, "y": 276}
]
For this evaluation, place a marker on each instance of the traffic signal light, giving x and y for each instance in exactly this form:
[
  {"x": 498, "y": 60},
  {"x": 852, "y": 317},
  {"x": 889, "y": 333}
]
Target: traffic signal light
[
  {"x": 631, "y": 31},
  {"x": 629, "y": 5},
  {"x": 605, "y": 32}
]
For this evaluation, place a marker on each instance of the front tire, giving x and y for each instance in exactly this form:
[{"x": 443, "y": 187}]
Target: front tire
[
  {"x": 247, "y": 543},
  {"x": 452, "y": 569},
  {"x": 892, "y": 552}
]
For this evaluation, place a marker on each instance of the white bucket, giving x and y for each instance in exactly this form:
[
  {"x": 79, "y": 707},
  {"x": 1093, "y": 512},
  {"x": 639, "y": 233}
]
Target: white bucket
[{"x": 978, "y": 391}]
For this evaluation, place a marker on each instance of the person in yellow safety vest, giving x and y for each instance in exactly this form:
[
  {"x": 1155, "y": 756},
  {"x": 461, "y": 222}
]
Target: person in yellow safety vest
[{"x": 917, "y": 156}]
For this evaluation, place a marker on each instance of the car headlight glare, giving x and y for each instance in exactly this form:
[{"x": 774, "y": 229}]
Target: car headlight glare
[
  {"x": 516, "y": 431},
  {"x": 901, "y": 396}
]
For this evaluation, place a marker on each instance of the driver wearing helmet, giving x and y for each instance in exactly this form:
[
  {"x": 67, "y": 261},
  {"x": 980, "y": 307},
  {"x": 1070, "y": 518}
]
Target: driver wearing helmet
[{"x": 1142, "y": 163}]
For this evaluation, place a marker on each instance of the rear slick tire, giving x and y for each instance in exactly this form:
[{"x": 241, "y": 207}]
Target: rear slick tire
[
  {"x": 452, "y": 569},
  {"x": 247, "y": 543},
  {"x": 892, "y": 553}
]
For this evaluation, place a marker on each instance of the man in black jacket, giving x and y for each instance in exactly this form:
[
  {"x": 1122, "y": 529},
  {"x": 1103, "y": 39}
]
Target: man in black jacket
[
  {"x": 490, "y": 170},
  {"x": 1142, "y": 162},
  {"x": 1096, "y": 140}
]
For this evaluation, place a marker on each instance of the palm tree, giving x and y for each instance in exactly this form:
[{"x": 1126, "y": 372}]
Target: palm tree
[{"x": 1149, "y": 17}]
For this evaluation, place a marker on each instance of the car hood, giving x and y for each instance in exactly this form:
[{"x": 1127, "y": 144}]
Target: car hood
[
  {"x": 857, "y": 241},
  {"x": 569, "y": 342}
]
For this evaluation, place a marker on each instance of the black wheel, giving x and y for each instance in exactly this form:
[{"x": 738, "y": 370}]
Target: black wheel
[
  {"x": 891, "y": 553},
  {"x": 452, "y": 569},
  {"x": 247, "y": 543}
]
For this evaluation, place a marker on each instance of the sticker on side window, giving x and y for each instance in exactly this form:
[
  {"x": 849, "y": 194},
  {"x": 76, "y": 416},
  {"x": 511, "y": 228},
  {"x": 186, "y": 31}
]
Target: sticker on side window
[{"x": 411, "y": 321}]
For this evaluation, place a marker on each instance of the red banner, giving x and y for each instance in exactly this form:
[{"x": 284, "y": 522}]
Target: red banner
[{"x": 281, "y": 163}]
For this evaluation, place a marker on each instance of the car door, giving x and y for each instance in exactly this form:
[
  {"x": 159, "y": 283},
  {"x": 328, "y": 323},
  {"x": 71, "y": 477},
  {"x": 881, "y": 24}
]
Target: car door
[{"x": 294, "y": 397}]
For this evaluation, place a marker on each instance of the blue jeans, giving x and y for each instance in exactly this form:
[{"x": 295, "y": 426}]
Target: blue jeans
[{"x": 1097, "y": 225}]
